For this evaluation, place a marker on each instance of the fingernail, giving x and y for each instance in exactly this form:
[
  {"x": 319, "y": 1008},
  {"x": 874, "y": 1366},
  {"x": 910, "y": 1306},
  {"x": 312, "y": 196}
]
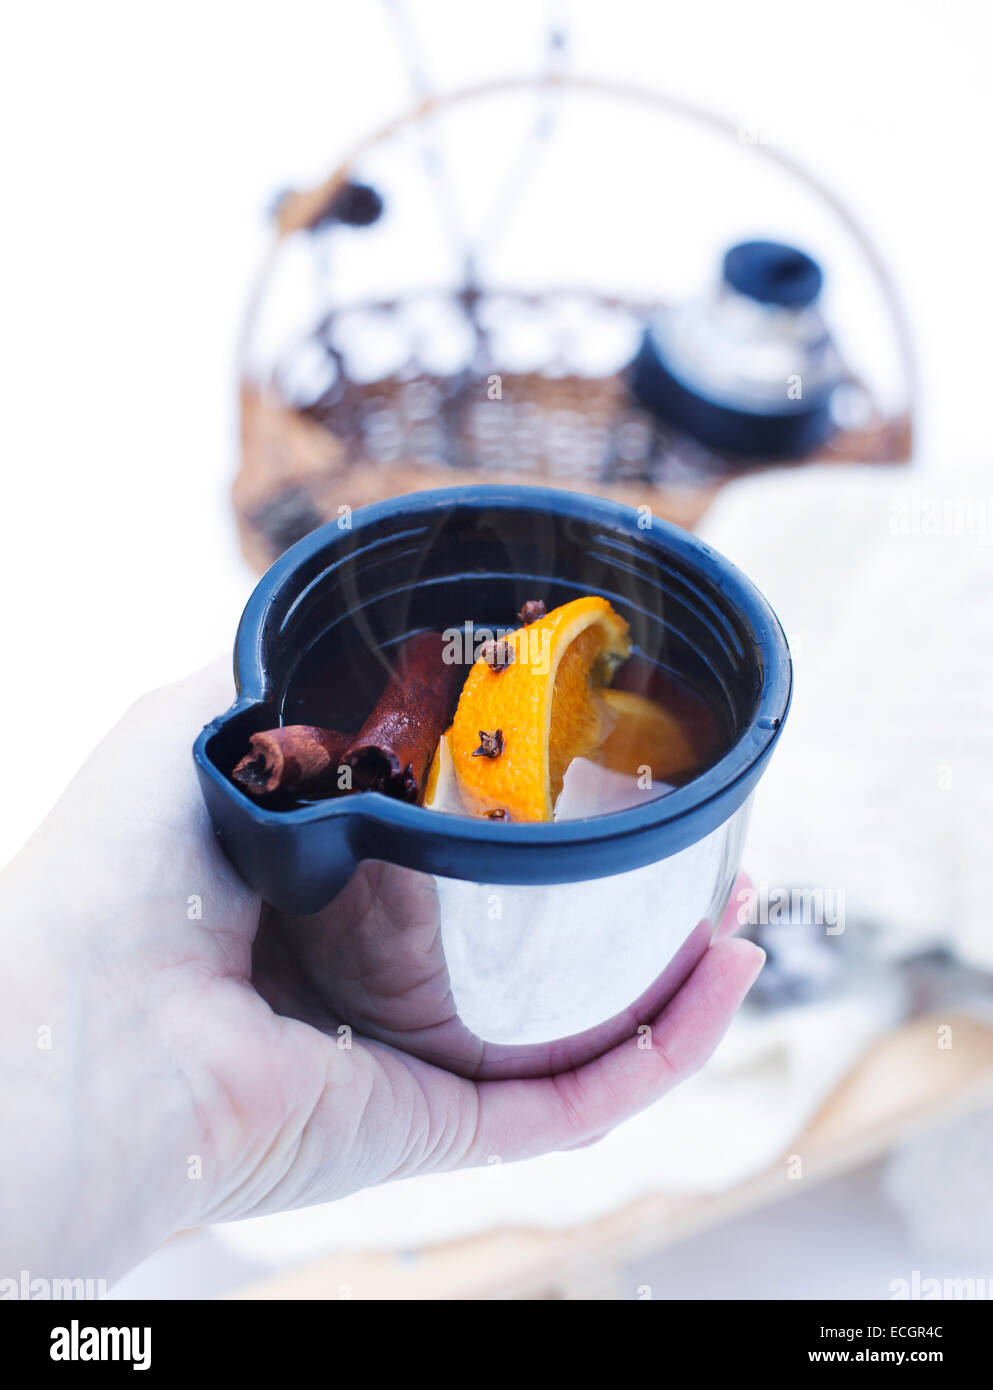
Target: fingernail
[{"x": 758, "y": 964}]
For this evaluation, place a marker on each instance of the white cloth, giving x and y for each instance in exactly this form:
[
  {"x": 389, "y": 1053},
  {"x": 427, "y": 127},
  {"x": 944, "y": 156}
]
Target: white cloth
[{"x": 882, "y": 784}]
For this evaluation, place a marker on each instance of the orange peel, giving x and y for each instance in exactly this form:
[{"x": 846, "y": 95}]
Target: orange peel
[{"x": 548, "y": 706}]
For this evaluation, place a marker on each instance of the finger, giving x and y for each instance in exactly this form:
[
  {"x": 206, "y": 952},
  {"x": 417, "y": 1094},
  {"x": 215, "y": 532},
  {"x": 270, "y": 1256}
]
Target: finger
[
  {"x": 518, "y": 1119},
  {"x": 588, "y": 1143}
]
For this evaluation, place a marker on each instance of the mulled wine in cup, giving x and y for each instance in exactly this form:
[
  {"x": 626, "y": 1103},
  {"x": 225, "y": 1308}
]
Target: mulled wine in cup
[{"x": 491, "y": 761}]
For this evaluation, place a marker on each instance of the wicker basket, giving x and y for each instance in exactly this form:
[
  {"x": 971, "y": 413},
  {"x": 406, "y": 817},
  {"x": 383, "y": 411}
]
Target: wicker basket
[{"x": 316, "y": 440}]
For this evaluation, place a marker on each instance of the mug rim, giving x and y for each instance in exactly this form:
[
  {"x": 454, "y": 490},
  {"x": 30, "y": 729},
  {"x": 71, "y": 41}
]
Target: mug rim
[{"x": 689, "y": 812}]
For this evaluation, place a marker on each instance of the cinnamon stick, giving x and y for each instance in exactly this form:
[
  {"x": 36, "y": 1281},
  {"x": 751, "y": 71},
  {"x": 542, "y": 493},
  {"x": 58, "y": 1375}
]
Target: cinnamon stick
[
  {"x": 393, "y": 750},
  {"x": 295, "y": 757}
]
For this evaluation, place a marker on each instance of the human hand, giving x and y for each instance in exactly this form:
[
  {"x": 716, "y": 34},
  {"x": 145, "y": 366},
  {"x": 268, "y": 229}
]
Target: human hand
[{"x": 158, "y": 1072}]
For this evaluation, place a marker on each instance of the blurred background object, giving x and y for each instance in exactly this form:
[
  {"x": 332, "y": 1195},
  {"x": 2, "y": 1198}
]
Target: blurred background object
[
  {"x": 143, "y": 164},
  {"x": 516, "y": 281}
]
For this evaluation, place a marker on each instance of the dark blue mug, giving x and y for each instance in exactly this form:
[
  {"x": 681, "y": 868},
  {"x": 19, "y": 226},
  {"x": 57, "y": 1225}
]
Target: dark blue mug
[{"x": 552, "y": 940}]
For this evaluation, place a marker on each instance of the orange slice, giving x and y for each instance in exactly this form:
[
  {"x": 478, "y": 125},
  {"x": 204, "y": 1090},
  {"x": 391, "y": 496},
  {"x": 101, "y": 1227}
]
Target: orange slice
[
  {"x": 547, "y": 705},
  {"x": 645, "y": 735}
]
